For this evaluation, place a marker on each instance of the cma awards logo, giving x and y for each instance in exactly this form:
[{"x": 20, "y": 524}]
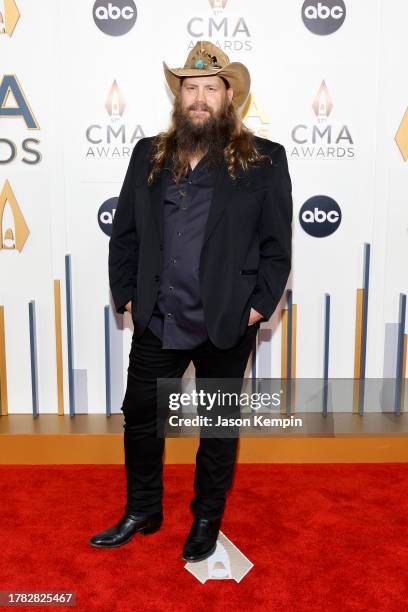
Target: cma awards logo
[
  {"x": 14, "y": 105},
  {"x": 106, "y": 214},
  {"x": 322, "y": 140},
  {"x": 9, "y": 16},
  {"x": 112, "y": 140},
  {"x": 13, "y": 228},
  {"x": 226, "y": 563},
  {"x": 325, "y": 17},
  {"x": 229, "y": 34},
  {"x": 115, "y": 18},
  {"x": 320, "y": 216}
]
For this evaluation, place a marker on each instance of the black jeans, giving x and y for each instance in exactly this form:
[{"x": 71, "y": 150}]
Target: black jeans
[{"x": 215, "y": 459}]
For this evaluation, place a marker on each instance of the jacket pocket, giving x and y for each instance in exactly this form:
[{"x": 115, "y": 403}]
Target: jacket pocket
[{"x": 249, "y": 271}]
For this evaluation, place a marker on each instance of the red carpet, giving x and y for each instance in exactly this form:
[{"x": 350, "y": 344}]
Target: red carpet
[{"x": 321, "y": 537}]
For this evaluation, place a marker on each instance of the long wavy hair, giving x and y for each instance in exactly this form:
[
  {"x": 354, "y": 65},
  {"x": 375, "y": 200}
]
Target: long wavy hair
[{"x": 240, "y": 149}]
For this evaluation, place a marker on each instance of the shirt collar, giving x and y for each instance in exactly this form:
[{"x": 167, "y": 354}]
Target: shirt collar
[{"x": 168, "y": 164}]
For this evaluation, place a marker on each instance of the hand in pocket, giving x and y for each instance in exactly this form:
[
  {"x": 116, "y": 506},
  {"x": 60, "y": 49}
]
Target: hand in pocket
[{"x": 254, "y": 316}]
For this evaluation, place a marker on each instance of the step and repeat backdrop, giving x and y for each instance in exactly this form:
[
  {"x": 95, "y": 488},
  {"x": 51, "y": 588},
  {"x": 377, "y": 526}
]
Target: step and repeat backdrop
[{"x": 82, "y": 82}]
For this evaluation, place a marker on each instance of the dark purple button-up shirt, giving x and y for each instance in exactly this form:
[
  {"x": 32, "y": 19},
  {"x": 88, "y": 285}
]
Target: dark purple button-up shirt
[{"x": 178, "y": 317}]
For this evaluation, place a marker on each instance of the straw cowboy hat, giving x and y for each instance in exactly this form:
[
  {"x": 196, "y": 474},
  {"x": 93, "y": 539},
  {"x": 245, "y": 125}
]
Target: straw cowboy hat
[{"x": 206, "y": 59}]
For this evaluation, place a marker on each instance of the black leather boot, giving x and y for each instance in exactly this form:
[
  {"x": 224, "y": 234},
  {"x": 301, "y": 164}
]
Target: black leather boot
[
  {"x": 202, "y": 539},
  {"x": 125, "y": 529}
]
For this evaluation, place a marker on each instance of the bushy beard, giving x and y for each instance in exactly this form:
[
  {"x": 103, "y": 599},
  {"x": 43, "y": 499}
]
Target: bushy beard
[{"x": 208, "y": 136}]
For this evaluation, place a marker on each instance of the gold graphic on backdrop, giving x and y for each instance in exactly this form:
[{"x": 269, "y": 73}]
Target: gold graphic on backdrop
[
  {"x": 252, "y": 110},
  {"x": 401, "y": 137},
  {"x": 115, "y": 103},
  {"x": 13, "y": 228},
  {"x": 9, "y": 17},
  {"x": 218, "y": 5},
  {"x": 322, "y": 103}
]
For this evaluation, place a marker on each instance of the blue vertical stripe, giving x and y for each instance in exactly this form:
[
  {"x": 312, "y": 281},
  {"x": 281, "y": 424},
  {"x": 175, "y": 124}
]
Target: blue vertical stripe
[
  {"x": 33, "y": 357},
  {"x": 326, "y": 350},
  {"x": 70, "y": 343},
  {"x": 400, "y": 353},
  {"x": 366, "y": 278},
  {"x": 116, "y": 365},
  {"x": 108, "y": 378}
]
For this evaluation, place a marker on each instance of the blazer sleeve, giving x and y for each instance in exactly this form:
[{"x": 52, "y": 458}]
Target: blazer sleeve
[
  {"x": 123, "y": 243},
  {"x": 275, "y": 238}
]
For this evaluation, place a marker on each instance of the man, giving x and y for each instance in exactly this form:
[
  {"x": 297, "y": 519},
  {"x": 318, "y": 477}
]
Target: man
[{"x": 200, "y": 254}]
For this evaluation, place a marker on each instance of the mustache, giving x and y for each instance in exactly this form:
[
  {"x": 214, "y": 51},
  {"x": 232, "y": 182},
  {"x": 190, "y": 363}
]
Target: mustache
[{"x": 199, "y": 106}]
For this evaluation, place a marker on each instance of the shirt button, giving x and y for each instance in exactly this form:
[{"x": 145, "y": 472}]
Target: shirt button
[
  {"x": 171, "y": 288},
  {"x": 179, "y": 233},
  {"x": 169, "y": 314},
  {"x": 184, "y": 208},
  {"x": 173, "y": 261}
]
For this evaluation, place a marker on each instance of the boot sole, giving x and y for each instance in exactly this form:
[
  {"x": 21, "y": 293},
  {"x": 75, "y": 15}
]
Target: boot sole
[{"x": 201, "y": 557}]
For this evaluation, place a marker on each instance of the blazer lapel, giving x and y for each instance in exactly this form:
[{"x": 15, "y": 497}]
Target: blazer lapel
[
  {"x": 222, "y": 192},
  {"x": 156, "y": 190}
]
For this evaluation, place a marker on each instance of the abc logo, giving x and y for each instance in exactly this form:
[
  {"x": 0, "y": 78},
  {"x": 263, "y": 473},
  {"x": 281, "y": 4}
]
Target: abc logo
[
  {"x": 105, "y": 215},
  {"x": 115, "y": 18},
  {"x": 320, "y": 216},
  {"x": 323, "y": 17}
]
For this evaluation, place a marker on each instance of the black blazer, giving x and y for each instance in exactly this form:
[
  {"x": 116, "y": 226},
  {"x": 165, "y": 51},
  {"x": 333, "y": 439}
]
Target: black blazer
[{"x": 246, "y": 253}]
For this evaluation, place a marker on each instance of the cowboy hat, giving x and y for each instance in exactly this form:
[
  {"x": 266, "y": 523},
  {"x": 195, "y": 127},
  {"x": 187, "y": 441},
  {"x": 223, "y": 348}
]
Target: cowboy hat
[{"x": 206, "y": 59}]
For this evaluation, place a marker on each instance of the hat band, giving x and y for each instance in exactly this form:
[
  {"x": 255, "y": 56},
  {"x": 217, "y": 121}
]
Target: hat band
[{"x": 201, "y": 65}]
